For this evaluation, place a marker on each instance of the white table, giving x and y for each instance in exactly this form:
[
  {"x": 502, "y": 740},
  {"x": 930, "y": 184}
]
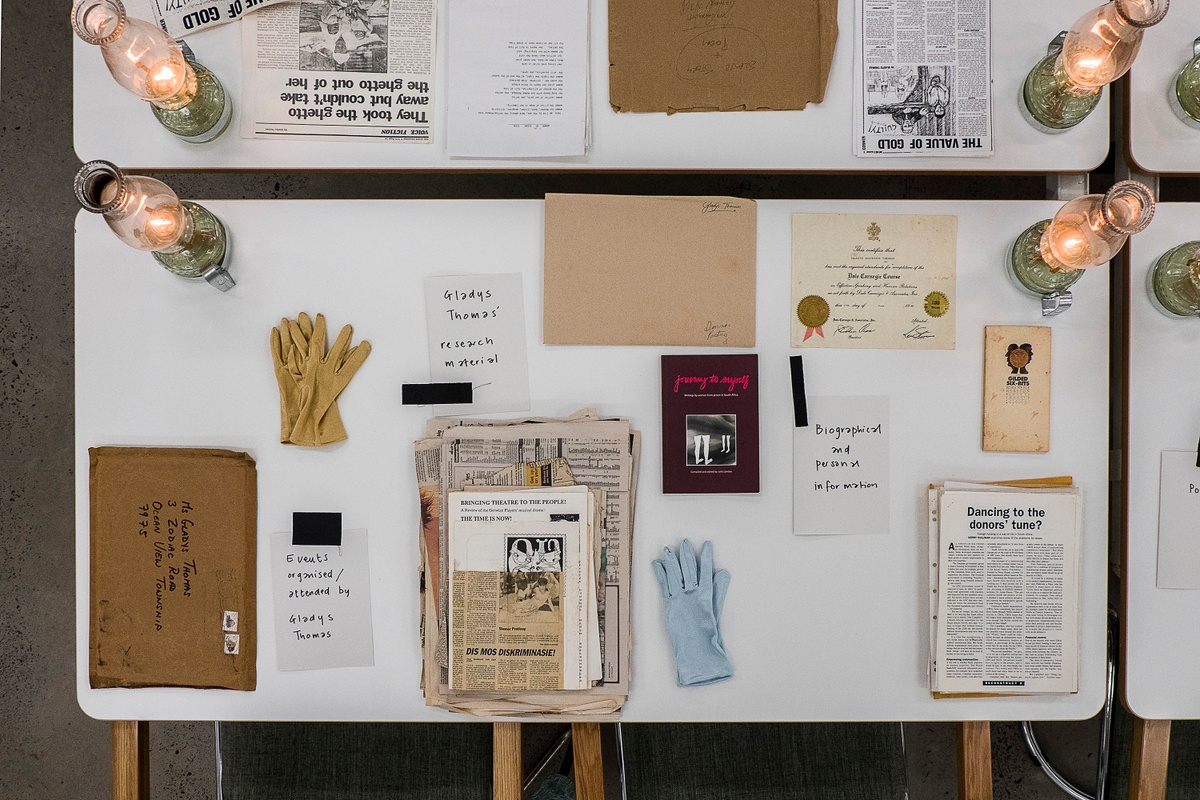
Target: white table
[
  {"x": 818, "y": 628},
  {"x": 1159, "y": 649},
  {"x": 1158, "y": 140},
  {"x": 111, "y": 124}
]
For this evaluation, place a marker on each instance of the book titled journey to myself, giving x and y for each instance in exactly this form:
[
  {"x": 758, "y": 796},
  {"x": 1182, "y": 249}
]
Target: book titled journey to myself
[{"x": 710, "y": 424}]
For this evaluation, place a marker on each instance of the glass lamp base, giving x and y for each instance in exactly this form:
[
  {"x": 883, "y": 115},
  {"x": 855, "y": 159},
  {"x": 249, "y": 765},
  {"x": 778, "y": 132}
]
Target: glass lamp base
[
  {"x": 203, "y": 119},
  {"x": 1032, "y": 275},
  {"x": 1045, "y": 103},
  {"x": 1173, "y": 283},
  {"x": 204, "y": 253}
]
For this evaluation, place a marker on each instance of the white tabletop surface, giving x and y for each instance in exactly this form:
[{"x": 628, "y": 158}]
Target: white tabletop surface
[
  {"x": 818, "y": 628},
  {"x": 1158, "y": 140},
  {"x": 112, "y": 124},
  {"x": 1162, "y": 642}
]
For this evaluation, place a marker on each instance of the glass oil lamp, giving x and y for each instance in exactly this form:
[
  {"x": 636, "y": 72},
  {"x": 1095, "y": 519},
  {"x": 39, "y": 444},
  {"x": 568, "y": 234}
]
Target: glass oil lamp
[
  {"x": 1184, "y": 94},
  {"x": 1064, "y": 87},
  {"x": 186, "y": 98},
  {"x": 1174, "y": 282},
  {"x": 1050, "y": 256},
  {"x": 146, "y": 214}
]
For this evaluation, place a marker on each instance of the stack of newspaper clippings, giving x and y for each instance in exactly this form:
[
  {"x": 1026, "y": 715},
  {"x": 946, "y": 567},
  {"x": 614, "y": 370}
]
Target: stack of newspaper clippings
[
  {"x": 525, "y": 534},
  {"x": 1004, "y": 587}
]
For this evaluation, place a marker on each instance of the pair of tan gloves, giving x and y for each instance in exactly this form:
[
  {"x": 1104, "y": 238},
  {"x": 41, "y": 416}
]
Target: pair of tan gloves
[{"x": 311, "y": 378}]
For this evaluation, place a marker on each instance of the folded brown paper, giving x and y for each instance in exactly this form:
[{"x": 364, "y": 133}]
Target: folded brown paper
[
  {"x": 172, "y": 568},
  {"x": 649, "y": 270},
  {"x": 717, "y": 55}
]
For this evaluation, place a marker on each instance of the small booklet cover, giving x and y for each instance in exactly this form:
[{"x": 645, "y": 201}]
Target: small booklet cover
[
  {"x": 710, "y": 424},
  {"x": 1016, "y": 389},
  {"x": 172, "y": 568}
]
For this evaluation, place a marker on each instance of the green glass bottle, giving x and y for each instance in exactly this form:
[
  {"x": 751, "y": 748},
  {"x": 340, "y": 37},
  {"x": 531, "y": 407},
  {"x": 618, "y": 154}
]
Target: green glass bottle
[
  {"x": 1174, "y": 282},
  {"x": 1185, "y": 92}
]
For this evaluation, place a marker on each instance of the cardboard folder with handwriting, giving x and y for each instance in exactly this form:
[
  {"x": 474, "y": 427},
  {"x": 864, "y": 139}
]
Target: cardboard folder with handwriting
[
  {"x": 172, "y": 568},
  {"x": 718, "y": 55},
  {"x": 622, "y": 270}
]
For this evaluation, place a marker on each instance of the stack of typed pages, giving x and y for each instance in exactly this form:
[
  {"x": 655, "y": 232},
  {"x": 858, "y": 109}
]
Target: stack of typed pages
[
  {"x": 526, "y": 529},
  {"x": 1004, "y": 587}
]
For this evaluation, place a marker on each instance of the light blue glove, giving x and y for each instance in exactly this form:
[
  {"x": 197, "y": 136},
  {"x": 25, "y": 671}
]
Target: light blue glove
[{"x": 692, "y": 601}]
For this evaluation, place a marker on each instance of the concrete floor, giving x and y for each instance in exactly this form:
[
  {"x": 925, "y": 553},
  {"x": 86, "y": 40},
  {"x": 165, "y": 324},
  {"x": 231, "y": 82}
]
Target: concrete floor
[{"x": 49, "y": 749}]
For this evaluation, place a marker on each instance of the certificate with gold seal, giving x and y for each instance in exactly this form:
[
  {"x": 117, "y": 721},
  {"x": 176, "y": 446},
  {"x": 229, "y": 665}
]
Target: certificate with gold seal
[{"x": 873, "y": 281}]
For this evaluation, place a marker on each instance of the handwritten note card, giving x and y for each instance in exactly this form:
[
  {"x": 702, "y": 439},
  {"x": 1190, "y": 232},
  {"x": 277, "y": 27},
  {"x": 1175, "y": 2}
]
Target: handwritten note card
[
  {"x": 1178, "y": 510},
  {"x": 841, "y": 467},
  {"x": 477, "y": 335},
  {"x": 322, "y": 603},
  {"x": 873, "y": 281}
]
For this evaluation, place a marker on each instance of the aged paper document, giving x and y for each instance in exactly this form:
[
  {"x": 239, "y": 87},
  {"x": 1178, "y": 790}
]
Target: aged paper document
[
  {"x": 1016, "y": 388},
  {"x": 873, "y": 281}
]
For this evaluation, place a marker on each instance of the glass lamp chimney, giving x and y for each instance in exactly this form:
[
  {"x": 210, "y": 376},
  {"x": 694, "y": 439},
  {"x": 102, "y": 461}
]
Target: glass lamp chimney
[{"x": 144, "y": 213}]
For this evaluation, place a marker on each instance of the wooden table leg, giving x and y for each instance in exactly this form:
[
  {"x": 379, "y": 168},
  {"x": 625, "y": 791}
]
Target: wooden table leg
[
  {"x": 130, "y": 760},
  {"x": 507, "y": 772},
  {"x": 1148, "y": 761},
  {"x": 589, "y": 766},
  {"x": 975, "y": 760}
]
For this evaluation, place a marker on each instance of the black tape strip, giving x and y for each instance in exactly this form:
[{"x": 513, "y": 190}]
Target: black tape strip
[
  {"x": 423, "y": 394},
  {"x": 799, "y": 399},
  {"x": 1198, "y": 455},
  {"x": 319, "y": 528}
]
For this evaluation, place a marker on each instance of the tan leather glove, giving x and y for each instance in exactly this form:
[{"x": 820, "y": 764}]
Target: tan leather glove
[
  {"x": 324, "y": 376},
  {"x": 289, "y": 352}
]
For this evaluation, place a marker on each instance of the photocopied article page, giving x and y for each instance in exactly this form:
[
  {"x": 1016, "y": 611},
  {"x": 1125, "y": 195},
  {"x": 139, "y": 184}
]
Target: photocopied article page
[
  {"x": 923, "y": 78},
  {"x": 518, "y": 78},
  {"x": 351, "y": 69}
]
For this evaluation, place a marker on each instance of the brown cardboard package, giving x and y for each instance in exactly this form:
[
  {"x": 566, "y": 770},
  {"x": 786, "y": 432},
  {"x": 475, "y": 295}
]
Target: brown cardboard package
[{"x": 172, "y": 568}]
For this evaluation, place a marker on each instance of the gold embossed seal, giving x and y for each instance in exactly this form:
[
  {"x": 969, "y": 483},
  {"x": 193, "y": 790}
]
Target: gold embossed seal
[
  {"x": 813, "y": 312},
  {"x": 936, "y": 304}
]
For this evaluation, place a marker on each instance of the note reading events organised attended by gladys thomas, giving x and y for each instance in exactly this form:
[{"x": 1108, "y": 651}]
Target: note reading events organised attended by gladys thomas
[
  {"x": 874, "y": 281},
  {"x": 477, "y": 335},
  {"x": 322, "y": 603},
  {"x": 842, "y": 466}
]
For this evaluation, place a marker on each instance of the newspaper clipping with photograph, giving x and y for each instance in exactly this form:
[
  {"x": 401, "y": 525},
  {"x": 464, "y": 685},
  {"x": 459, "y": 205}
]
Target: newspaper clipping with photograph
[
  {"x": 923, "y": 78},
  {"x": 182, "y": 18},
  {"x": 338, "y": 69}
]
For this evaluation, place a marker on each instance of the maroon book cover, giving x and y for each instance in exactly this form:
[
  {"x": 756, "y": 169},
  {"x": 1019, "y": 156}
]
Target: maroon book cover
[{"x": 710, "y": 424}]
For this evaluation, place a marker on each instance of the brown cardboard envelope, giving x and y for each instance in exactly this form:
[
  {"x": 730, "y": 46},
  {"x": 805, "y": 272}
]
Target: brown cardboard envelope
[
  {"x": 173, "y": 595},
  {"x": 717, "y": 55},
  {"x": 622, "y": 270}
]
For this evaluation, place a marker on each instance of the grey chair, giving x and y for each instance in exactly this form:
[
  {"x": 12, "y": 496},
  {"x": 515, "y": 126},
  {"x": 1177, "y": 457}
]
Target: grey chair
[
  {"x": 353, "y": 761},
  {"x": 803, "y": 761}
]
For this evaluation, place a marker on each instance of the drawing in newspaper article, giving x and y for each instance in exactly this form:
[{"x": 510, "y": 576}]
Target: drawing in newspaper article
[
  {"x": 340, "y": 69},
  {"x": 923, "y": 79}
]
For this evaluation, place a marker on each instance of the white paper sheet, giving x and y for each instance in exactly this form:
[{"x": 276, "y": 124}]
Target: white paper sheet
[
  {"x": 518, "y": 78},
  {"x": 1179, "y": 521},
  {"x": 322, "y": 603},
  {"x": 841, "y": 467},
  {"x": 477, "y": 335}
]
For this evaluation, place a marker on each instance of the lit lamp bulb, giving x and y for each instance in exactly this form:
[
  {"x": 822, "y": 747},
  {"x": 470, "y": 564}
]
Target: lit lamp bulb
[
  {"x": 185, "y": 97},
  {"x": 146, "y": 214},
  {"x": 1050, "y": 256},
  {"x": 1174, "y": 282},
  {"x": 1064, "y": 87}
]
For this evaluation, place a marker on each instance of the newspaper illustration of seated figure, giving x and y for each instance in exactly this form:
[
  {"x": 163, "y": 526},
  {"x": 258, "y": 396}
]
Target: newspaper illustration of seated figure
[{"x": 347, "y": 38}]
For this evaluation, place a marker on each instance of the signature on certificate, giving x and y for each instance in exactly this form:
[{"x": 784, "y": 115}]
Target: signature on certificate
[
  {"x": 918, "y": 331},
  {"x": 855, "y": 329}
]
